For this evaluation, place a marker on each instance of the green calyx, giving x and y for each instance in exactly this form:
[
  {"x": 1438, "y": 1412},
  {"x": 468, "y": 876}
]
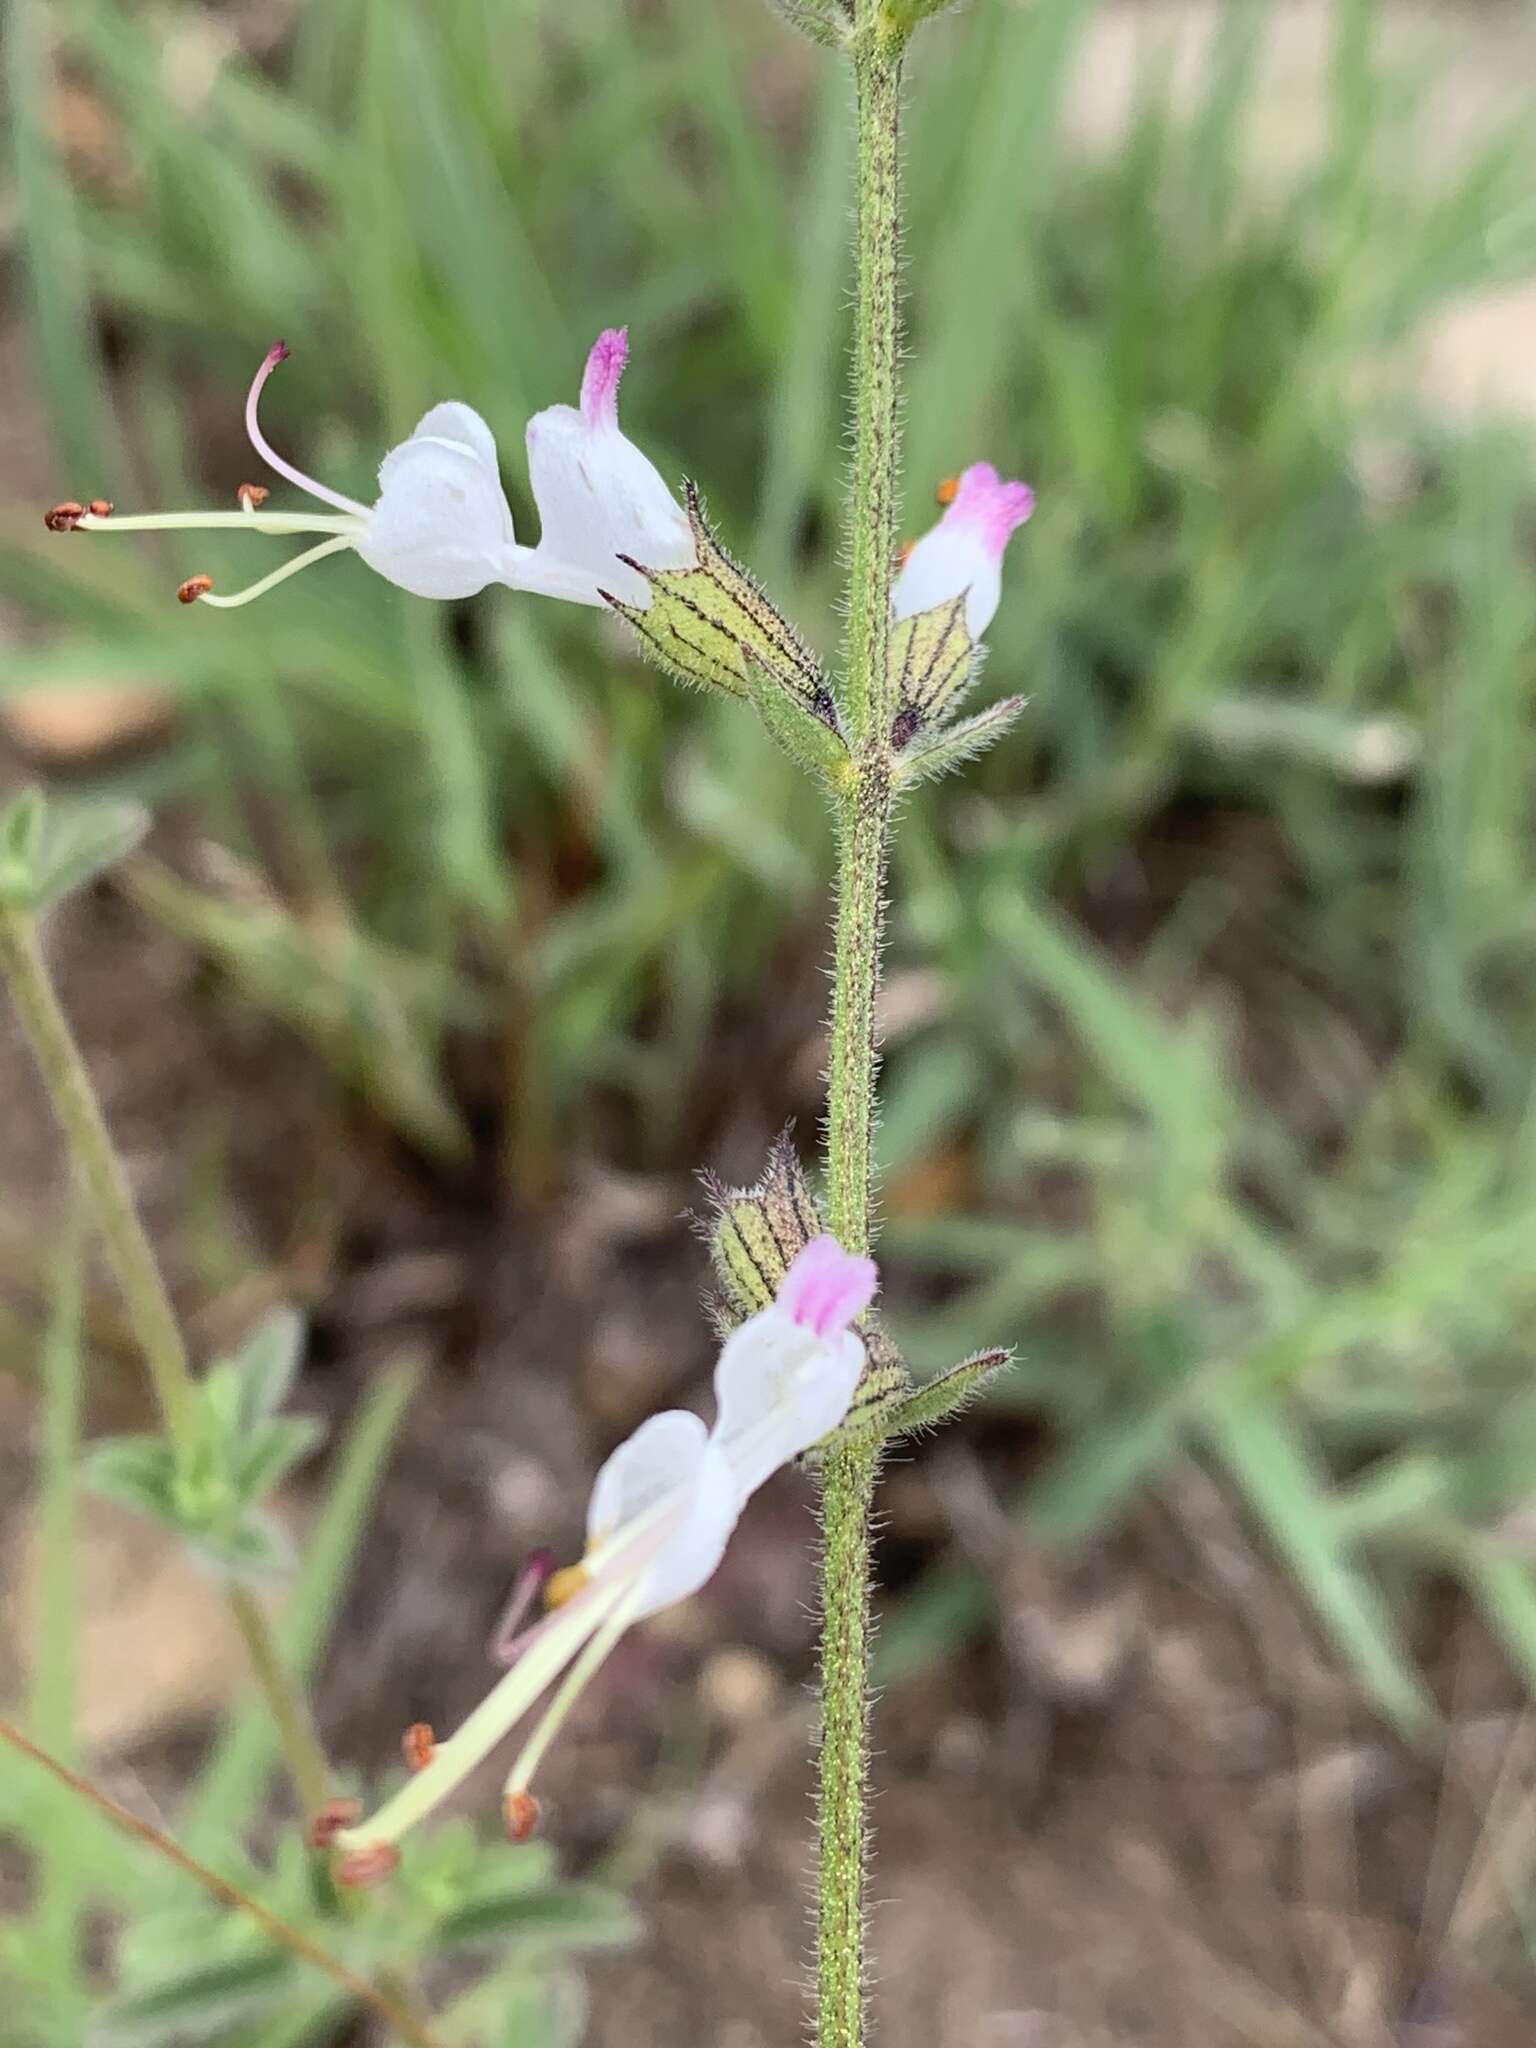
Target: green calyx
[
  {"x": 754, "y": 1234},
  {"x": 828, "y": 22},
  {"x": 932, "y": 663},
  {"x": 712, "y": 627}
]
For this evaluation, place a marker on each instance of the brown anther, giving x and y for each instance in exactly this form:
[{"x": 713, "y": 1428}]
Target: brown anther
[
  {"x": 328, "y": 1823},
  {"x": 522, "y": 1811},
  {"x": 367, "y": 1866},
  {"x": 253, "y": 494},
  {"x": 100, "y": 508},
  {"x": 418, "y": 1745},
  {"x": 904, "y": 553},
  {"x": 64, "y": 518},
  {"x": 194, "y": 588},
  {"x": 948, "y": 491}
]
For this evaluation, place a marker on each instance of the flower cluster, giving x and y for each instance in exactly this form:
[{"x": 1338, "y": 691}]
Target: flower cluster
[
  {"x": 658, "y": 1521},
  {"x": 441, "y": 526}
]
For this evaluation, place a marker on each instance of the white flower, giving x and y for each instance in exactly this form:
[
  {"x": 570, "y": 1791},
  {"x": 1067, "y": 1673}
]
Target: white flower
[
  {"x": 660, "y": 1516},
  {"x": 599, "y": 498},
  {"x": 963, "y": 554},
  {"x": 441, "y": 526}
]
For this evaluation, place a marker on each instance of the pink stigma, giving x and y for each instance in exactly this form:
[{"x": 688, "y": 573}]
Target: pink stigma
[
  {"x": 600, "y": 382},
  {"x": 826, "y": 1287},
  {"x": 985, "y": 501},
  {"x": 509, "y": 1640}
]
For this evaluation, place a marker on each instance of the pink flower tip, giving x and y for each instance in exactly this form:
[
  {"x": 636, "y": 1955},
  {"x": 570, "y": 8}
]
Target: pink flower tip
[
  {"x": 984, "y": 500},
  {"x": 826, "y": 1287},
  {"x": 600, "y": 381},
  {"x": 279, "y": 352}
]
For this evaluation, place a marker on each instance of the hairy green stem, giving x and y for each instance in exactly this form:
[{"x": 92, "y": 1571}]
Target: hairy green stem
[
  {"x": 864, "y": 816},
  {"x": 296, "y": 1736},
  {"x": 872, "y": 518},
  {"x": 78, "y": 1109},
  {"x": 863, "y": 830}
]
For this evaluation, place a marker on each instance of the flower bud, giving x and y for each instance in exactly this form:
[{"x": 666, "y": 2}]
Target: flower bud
[{"x": 755, "y": 1233}]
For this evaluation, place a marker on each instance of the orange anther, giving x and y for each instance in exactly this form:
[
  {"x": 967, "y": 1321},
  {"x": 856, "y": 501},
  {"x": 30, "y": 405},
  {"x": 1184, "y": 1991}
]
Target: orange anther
[
  {"x": 100, "y": 508},
  {"x": 194, "y": 588},
  {"x": 418, "y": 1745},
  {"x": 328, "y": 1823},
  {"x": 253, "y": 494},
  {"x": 64, "y": 518},
  {"x": 367, "y": 1866},
  {"x": 948, "y": 491},
  {"x": 565, "y": 1584},
  {"x": 522, "y": 1811}
]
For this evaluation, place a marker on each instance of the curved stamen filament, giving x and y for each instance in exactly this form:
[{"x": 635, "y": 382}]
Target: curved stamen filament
[
  {"x": 269, "y": 455},
  {"x": 266, "y": 583},
  {"x": 242, "y": 522},
  {"x": 597, "y": 1652},
  {"x": 540, "y": 1665}
]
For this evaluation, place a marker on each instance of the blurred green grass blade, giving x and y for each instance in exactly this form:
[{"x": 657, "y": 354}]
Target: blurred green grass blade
[
  {"x": 802, "y": 437},
  {"x": 925, "y": 1628},
  {"x": 972, "y": 290},
  {"x": 63, "y": 1848},
  {"x": 229, "y": 1791},
  {"x": 1141, "y": 1054},
  {"x": 1502, "y": 1584},
  {"x": 1288, "y": 1495},
  {"x": 64, "y": 357}
]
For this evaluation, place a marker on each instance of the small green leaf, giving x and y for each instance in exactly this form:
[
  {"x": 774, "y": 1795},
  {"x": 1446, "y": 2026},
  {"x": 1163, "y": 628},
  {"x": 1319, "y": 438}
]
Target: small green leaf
[
  {"x": 80, "y": 841},
  {"x": 930, "y": 756},
  {"x": 901, "y": 17},
  {"x": 138, "y": 1472},
  {"x": 561, "y": 1917},
  {"x": 268, "y": 1363},
  {"x": 827, "y": 22},
  {"x": 805, "y": 734},
  {"x": 271, "y": 1451},
  {"x": 220, "y": 1396},
  {"x": 21, "y": 827},
  {"x": 201, "y": 1998},
  {"x": 945, "y": 1396},
  {"x": 252, "y": 1548}
]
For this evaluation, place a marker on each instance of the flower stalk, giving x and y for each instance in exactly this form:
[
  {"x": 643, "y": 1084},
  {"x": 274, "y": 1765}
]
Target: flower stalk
[
  {"x": 863, "y": 826},
  {"x": 75, "y": 1103}
]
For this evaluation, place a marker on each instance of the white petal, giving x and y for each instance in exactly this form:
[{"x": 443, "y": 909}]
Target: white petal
[
  {"x": 599, "y": 497},
  {"x": 780, "y": 1388},
  {"x": 949, "y": 559},
  {"x": 670, "y": 1480},
  {"x": 442, "y": 526},
  {"x": 454, "y": 422}
]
